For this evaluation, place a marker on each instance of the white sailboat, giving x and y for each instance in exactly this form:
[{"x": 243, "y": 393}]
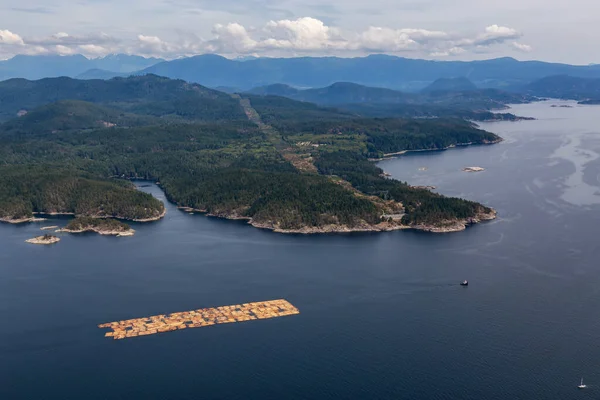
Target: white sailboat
[{"x": 581, "y": 385}]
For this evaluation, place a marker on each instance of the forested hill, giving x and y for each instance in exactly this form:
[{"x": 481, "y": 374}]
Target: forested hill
[
  {"x": 283, "y": 164},
  {"x": 67, "y": 115},
  {"x": 450, "y": 85},
  {"x": 446, "y": 98},
  {"x": 455, "y": 94},
  {"x": 339, "y": 93},
  {"x": 565, "y": 87},
  {"x": 43, "y": 66},
  {"x": 147, "y": 95}
]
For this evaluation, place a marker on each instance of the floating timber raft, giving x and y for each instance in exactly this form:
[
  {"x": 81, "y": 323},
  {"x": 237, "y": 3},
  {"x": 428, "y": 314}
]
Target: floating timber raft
[{"x": 199, "y": 318}]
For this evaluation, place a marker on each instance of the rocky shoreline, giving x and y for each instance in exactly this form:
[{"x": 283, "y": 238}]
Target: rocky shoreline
[
  {"x": 442, "y": 227},
  {"x": 107, "y": 232},
  {"x": 9, "y": 220},
  {"x": 151, "y": 219},
  {"x": 389, "y": 156},
  {"x": 458, "y": 225},
  {"x": 46, "y": 239}
]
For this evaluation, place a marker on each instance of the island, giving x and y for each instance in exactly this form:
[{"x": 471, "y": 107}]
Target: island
[
  {"x": 239, "y": 157},
  {"x": 102, "y": 226},
  {"x": 46, "y": 239}
]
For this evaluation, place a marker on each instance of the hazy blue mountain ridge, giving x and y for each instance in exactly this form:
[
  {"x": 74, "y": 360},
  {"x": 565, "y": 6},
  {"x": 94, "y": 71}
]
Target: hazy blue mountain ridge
[
  {"x": 376, "y": 70},
  {"x": 450, "y": 84},
  {"x": 564, "y": 86},
  {"x": 304, "y": 72},
  {"x": 344, "y": 94},
  {"x": 38, "y": 67}
]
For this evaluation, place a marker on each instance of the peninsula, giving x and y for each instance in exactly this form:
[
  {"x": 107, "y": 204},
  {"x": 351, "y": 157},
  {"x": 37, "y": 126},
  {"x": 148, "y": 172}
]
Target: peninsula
[{"x": 230, "y": 156}]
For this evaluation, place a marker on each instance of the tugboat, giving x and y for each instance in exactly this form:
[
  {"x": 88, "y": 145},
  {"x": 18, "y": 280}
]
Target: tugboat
[{"x": 464, "y": 283}]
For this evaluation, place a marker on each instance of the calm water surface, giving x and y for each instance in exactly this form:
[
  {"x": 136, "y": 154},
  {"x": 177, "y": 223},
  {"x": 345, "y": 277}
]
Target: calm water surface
[{"x": 382, "y": 316}]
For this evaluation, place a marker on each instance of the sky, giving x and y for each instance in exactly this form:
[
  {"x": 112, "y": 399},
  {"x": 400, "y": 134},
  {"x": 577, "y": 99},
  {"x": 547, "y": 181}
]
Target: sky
[{"x": 548, "y": 30}]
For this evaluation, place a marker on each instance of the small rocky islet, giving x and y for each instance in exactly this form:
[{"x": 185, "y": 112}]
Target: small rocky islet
[
  {"x": 102, "y": 226},
  {"x": 45, "y": 239}
]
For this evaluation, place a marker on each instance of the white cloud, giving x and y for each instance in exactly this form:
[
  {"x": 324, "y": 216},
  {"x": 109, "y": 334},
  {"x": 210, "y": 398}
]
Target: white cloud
[
  {"x": 560, "y": 31},
  {"x": 9, "y": 38},
  {"x": 151, "y": 41},
  {"x": 301, "y": 36},
  {"x": 93, "y": 50},
  {"x": 64, "y": 50},
  {"x": 454, "y": 51},
  {"x": 36, "y": 50},
  {"x": 496, "y": 34},
  {"x": 231, "y": 38},
  {"x": 65, "y": 39},
  {"x": 383, "y": 39},
  {"x": 152, "y": 45},
  {"x": 521, "y": 47},
  {"x": 423, "y": 35}
]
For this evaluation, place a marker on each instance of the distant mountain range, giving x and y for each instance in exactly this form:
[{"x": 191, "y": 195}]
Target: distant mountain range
[
  {"x": 38, "y": 67},
  {"x": 338, "y": 93},
  {"x": 303, "y": 72},
  {"x": 566, "y": 87},
  {"x": 450, "y": 85},
  {"x": 457, "y": 93},
  {"x": 377, "y": 70},
  {"x": 290, "y": 77},
  {"x": 97, "y": 73}
]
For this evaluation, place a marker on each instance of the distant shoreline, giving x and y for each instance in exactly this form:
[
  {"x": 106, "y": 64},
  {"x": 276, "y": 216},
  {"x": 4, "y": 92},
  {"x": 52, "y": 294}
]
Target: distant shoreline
[
  {"x": 390, "y": 156},
  {"x": 56, "y": 214},
  {"x": 443, "y": 227},
  {"x": 439, "y": 227},
  {"x": 100, "y": 231}
]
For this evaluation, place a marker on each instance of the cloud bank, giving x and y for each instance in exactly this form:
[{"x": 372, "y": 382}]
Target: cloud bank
[{"x": 286, "y": 37}]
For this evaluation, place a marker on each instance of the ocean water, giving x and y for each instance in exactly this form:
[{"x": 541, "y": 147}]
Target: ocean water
[{"x": 381, "y": 315}]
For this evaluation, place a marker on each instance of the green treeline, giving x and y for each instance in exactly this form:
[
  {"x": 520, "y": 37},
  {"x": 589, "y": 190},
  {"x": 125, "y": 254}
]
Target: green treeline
[
  {"x": 73, "y": 115},
  {"x": 291, "y": 199},
  {"x": 387, "y": 135},
  {"x": 28, "y": 189},
  {"x": 107, "y": 224},
  {"x": 72, "y": 156},
  {"x": 149, "y": 95},
  {"x": 223, "y": 169},
  {"x": 422, "y": 206}
]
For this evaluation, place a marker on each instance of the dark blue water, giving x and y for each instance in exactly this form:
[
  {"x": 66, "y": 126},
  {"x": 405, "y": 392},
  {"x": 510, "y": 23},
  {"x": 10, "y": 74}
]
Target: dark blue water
[{"x": 382, "y": 316}]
